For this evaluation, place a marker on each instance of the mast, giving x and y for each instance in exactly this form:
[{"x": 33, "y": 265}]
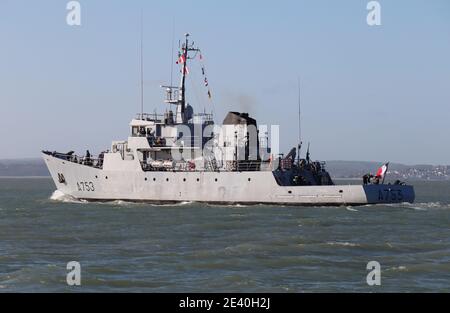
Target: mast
[
  {"x": 177, "y": 95},
  {"x": 185, "y": 50}
]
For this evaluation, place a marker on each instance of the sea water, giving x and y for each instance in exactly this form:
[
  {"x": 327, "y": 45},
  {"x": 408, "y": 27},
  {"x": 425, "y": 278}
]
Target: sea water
[{"x": 192, "y": 247}]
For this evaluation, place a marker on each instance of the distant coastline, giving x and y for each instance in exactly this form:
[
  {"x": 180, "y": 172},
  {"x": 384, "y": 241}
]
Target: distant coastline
[
  {"x": 35, "y": 168},
  {"x": 25, "y": 177},
  {"x": 23, "y": 168}
]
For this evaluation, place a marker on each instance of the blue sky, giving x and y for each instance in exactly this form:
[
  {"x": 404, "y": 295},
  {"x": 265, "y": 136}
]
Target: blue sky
[{"x": 368, "y": 93}]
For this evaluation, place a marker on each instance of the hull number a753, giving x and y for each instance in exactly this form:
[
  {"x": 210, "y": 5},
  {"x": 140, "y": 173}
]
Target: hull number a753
[
  {"x": 86, "y": 186},
  {"x": 390, "y": 195}
]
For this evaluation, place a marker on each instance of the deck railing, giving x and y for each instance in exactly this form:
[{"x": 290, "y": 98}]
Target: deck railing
[{"x": 92, "y": 161}]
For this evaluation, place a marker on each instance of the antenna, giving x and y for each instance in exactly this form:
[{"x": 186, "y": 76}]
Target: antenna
[
  {"x": 307, "y": 155},
  {"x": 299, "y": 122},
  {"x": 171, "y": 58},
  {"x": 142, "y": 64}
]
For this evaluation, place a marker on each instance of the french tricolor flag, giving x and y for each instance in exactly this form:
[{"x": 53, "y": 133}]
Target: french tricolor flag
[{"x": 382, "y": 171}]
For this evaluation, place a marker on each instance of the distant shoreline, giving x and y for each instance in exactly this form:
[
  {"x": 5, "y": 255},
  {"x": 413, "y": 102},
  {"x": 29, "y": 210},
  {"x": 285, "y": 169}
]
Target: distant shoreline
[
  {"x": 335, "y": 178},
  {"x": 339, "y": 170},
  {"x": 27, "y": 177}
]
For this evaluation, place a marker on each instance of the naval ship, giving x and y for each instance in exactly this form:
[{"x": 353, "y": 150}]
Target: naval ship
[{"x": 184, "y": 156}]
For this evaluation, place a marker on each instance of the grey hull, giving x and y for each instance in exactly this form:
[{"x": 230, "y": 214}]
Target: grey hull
[{"x": 95, "y": 184}]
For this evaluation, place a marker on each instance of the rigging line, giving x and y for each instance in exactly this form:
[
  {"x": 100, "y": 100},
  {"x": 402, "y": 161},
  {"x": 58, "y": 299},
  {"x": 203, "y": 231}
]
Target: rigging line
[
  {"x": 210, "y": 101},
  {"x": 194, "y": 87},
  {"x": 194, "y": 56},
  {"x": 204, "y": 73}
]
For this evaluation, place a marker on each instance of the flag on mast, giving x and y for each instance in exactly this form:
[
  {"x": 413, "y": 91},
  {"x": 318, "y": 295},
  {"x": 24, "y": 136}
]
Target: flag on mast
[
  {"x": 382, "y": 171},
  {"x": 181, "y": 59}
]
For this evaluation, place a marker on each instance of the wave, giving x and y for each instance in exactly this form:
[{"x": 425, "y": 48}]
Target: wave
[
  {"x": 342, "y": 243},
  {"x": 397, "y": 268},
  {"x": 418, "y": 206},
  {"x": 129, "y": 203},
  {"x": 175, "y": 204},
  {"x": 424, "y": 206}
]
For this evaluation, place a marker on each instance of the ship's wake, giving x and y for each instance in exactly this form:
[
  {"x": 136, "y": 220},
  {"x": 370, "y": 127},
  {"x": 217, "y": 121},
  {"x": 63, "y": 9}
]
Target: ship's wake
[
  {"x": 422, "y": 206},
  {"x": 60, "y": 196}
]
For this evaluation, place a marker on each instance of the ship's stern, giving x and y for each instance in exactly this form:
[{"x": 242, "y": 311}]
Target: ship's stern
[{"x": 378, "y": 194}]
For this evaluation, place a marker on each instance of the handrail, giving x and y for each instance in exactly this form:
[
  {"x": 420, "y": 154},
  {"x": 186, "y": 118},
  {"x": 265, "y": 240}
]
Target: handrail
[
  {"x": 150, "y": 116},
  {"x": 89, "y": 161}
]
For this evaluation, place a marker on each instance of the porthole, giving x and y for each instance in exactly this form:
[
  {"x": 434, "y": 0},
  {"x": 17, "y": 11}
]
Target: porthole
[
  {"x": 215, "y": 179},
  {"x": 341, "y": 191},
  {"x": 154, "y": 179},
  {"x": 145, "y": 178},
  {"x": 290, "y": 191},
  {"x": 184, "y": 179},
  {"x": 198, "y": 179},
  {"x": 167, "y": 179},
  {"x": 249, "y": 179},
  {"x": 96, "y": 176}
]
